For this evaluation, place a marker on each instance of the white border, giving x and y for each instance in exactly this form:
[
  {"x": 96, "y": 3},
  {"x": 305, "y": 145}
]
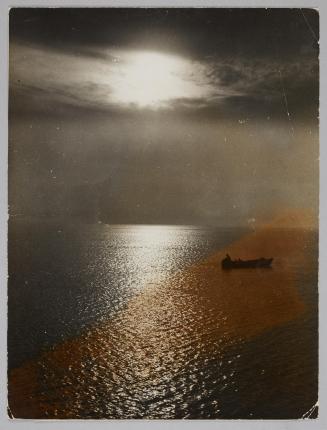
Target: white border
[{"x": 5, "y": 423}]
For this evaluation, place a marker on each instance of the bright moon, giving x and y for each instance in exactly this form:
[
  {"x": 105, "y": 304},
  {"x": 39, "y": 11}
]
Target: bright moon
[{"x": 152, "y": 79}]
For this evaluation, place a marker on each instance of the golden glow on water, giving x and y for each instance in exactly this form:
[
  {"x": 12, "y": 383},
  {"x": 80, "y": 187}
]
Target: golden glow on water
[{"x": 150, "y": 359}]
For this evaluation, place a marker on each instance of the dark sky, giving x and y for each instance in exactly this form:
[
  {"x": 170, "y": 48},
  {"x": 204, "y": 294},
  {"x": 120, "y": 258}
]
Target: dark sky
[{"x": 196, "y": 116}]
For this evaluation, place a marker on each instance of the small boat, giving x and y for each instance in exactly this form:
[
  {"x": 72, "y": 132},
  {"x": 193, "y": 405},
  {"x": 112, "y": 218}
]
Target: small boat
[{"x": 228, "y": 263}]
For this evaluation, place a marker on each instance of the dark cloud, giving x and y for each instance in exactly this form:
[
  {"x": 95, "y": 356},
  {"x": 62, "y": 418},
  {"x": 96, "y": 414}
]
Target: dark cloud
[{"x": 197, "y": 32}]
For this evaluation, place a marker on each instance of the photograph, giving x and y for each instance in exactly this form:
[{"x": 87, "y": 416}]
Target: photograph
[{"x": 163, "y": 221}]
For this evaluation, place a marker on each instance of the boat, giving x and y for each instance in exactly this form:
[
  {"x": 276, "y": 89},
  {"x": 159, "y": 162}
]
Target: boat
[{"x": 228, "y": 263}]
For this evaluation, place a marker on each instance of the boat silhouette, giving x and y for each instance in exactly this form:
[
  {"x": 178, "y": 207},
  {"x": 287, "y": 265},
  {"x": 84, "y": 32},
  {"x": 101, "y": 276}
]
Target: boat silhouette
[{"x": 228, "y": 263}]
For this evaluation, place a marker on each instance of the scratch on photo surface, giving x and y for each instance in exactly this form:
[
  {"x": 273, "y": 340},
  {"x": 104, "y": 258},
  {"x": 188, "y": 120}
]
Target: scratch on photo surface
[
  {"x": 309, "y": 26},
  {"x": 311, "y": 411},
  {"x": 285, "y": 100}
]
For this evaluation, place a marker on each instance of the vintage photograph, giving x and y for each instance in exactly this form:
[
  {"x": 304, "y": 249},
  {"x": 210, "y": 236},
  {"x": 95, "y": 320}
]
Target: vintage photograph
[{"x": 163, "y": 213}]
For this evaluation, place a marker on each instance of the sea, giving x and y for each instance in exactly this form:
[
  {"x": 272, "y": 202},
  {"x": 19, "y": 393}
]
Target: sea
[{"x": 72, "y": 283}]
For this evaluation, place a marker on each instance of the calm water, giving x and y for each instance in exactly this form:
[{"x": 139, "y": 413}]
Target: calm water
[{"x": 141, "y": 350}]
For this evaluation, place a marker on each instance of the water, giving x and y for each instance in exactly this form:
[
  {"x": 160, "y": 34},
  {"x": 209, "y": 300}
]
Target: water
[
  {"x": 125, "y": 322},
  {"x": 64, "y": 279}
]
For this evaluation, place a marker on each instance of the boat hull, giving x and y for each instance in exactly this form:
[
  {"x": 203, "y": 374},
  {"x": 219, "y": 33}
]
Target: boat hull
[{"x": 246, "y": 264}]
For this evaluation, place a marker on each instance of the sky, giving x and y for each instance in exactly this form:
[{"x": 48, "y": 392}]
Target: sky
[{"x": 163, "y": 116}]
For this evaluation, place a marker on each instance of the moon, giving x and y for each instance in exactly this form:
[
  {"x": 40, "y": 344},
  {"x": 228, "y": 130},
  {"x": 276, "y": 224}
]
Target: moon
[{"x": 152, "y": 79}]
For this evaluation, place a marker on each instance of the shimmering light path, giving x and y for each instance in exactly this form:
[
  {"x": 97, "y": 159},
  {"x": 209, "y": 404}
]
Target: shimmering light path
[{"x": 174, "y": 351}]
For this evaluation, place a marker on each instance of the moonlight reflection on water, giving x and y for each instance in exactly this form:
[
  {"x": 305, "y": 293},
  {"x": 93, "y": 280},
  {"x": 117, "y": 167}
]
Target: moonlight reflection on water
[{"x": 191, "y": 341}]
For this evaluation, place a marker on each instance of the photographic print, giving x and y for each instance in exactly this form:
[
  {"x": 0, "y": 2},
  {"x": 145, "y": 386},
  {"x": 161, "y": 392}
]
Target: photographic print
[{"x": 163, "y": 213}]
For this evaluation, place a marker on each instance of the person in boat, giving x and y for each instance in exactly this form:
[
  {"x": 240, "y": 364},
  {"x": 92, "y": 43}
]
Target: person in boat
[{"x": 227, "y": 260}]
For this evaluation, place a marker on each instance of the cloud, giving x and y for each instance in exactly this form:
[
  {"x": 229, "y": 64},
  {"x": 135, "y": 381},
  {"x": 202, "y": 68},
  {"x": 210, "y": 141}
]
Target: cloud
[
  {"x": 116, "y": 79},
  {"x": 195, "y": 32},
  {"x": 101, "y": 80},
  {"x": 217, "y": 145}
]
